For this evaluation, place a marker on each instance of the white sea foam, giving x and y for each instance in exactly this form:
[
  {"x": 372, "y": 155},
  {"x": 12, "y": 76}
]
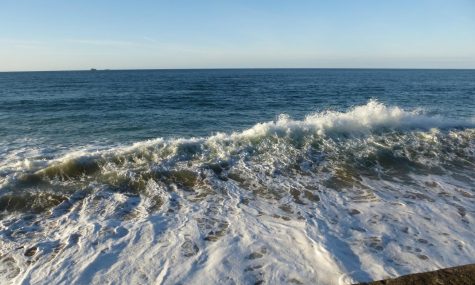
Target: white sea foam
[{"x": 335, "y": 198}]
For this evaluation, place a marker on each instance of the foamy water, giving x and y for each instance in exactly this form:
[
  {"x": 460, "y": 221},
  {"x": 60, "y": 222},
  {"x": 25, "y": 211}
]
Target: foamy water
[{"x": 372, "y": 192}]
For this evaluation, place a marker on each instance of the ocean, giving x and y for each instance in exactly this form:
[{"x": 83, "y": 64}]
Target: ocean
[{"x": 245, "y": 176}]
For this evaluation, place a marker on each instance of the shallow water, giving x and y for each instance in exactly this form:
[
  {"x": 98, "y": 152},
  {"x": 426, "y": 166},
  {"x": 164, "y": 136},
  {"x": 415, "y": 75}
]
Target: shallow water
[{"x": 235, "y": 176}]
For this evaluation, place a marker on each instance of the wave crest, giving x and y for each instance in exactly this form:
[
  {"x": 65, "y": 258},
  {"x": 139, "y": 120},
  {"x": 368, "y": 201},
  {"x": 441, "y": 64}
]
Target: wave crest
[
  {"x": 359, "y": 119},
  {"x": 371, "y": 134}
]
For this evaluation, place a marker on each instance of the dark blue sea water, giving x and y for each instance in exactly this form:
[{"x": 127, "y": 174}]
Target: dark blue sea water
[
  {"x": 83, "y": 107},
  {"x": 259, "y": 176}
]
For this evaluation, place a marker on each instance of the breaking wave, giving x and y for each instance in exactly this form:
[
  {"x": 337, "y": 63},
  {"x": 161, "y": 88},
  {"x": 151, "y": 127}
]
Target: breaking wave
[{"x": 345, "y": 190}]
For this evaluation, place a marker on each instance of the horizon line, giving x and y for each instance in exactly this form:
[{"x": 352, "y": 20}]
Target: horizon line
[{"x": 93, "y": 69}]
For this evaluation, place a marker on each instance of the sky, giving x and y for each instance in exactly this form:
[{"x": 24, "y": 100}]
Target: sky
[{"x": 148, "y": 34}]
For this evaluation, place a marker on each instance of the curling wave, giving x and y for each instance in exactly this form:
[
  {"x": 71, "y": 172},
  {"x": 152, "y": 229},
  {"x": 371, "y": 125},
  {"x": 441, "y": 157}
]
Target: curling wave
[{"x": 372, "y": 129}]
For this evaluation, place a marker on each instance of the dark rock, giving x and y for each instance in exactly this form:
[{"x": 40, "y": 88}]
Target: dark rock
[
  {"x": 460, "y": 275},
  {"x": 31, "y": 251}
]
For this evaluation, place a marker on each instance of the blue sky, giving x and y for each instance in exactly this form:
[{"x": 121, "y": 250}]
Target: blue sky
[{"x": 116, "y": 34}]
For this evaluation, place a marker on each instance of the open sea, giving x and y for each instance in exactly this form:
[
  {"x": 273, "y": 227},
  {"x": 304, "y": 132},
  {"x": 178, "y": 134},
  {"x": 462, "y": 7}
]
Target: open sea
[{"x": 246, "y": 176}]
